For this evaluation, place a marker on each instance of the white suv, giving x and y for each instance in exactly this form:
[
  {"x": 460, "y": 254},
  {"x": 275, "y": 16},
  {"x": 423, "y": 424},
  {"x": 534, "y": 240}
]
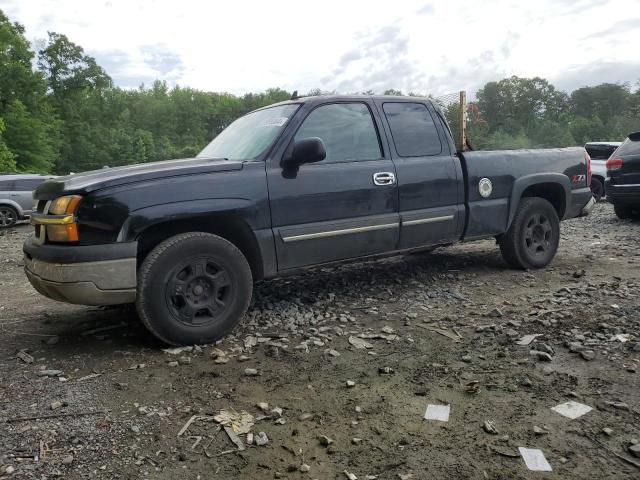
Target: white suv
[
  {"x": 599, "y": 153},
  {"x": 16, "y": 197}
]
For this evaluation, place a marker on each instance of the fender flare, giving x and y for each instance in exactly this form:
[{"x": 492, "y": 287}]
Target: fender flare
[
  {"x": 143, "y": 218},
  {"x": 522, "y": 183}
]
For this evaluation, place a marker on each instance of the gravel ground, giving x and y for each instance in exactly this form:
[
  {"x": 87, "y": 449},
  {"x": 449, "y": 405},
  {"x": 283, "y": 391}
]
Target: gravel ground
[{"x": 347, "y": 360}]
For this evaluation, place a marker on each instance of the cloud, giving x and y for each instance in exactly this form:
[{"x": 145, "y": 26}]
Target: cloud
[
  {"x": 617, "y": 28},
  {"x": 599, "y": 71},
  {"x": 427, "y": 9},
  {"x": 146, "y": 64}
]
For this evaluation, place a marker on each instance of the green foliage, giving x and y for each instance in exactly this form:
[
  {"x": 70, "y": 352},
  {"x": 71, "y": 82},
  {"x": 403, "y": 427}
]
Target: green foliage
[
  {"x": 67, "y": 116},
  {"x": 7, "y": 159}
]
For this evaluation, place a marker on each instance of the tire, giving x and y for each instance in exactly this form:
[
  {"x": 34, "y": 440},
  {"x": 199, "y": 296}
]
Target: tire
[
  {"x": 597, "y": 188},
  {"x": 533, "y": 237},
  {"x": 193, "y": 288},
  {"x": 623, "y": 211},
  {"x": 8, "y": 216}
]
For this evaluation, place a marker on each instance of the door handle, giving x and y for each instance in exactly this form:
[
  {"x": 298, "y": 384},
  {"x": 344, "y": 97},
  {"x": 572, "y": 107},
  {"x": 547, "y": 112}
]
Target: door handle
[{"x": 384, "y": 178}]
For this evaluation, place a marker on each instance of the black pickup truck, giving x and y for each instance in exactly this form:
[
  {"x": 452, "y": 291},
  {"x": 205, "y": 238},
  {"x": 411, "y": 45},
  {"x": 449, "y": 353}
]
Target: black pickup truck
[{"x": 305, "y": 182}]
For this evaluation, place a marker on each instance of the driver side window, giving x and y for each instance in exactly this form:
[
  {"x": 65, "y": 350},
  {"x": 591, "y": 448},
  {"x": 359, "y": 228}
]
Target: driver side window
[{"x": 347, "y": 130}]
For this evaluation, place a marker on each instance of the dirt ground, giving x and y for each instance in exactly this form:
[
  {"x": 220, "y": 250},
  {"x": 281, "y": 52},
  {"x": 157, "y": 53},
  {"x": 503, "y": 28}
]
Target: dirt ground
[{"x": 438, "y": 328}]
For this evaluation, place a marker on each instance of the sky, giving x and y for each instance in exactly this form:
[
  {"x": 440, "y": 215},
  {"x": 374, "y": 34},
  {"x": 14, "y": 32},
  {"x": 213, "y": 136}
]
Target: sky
[{"x": 424, "y": 46}]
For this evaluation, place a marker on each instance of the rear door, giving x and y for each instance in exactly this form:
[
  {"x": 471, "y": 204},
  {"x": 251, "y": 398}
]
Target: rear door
[
  {"x": 345, "y": 206},
  {"x": 23, "y": 193},
  {"x": 429, "y": 175}
]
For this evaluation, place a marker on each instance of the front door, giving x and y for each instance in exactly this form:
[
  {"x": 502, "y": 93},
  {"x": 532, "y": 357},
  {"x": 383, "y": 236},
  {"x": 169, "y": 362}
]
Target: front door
[
  {"x": 345, "y": 206},
  {"x": 429, "y": 175}
]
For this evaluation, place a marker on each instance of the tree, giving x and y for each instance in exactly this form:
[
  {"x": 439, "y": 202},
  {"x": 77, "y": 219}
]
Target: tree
[
  {"x": 7, "y": 159},
  {"x": 30, "y": 129},
  {"x": 604, "y": 101},
  {"x": 31, "y": 140}
]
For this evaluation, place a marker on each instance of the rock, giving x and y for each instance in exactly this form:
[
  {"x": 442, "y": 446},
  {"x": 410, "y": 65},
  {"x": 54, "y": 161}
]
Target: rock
[
  {"x": 607, "y": 431},
  {"x": 277, "y": 411},
  {"x": 135, "y": 429},
  {"x": 249, "y": 438},
  {"x": 173, "y": 364},
  {"x": 324, "y": 440},
  {"x": 356, "y": 441},
  {"x": 56, "y": 404},
  {"x": 467, "y": 358},
  {"x": 351, "y": 384},
  {"x": 184, "y": 360},
  {"x": 350, "y": 476},
  {"x": 489, "y": 427},
  {"x": 251, "y": 372},
  {"x": 542, "y": 356},
  {"x": 68, "y": 460},
  {"x": 260, "y": 439},
  {"x": 49, "y": 373},
  {"x": 305, "y": 416},
  {"x": 53, "y": 340},
  {"x": 243, "y": 358},
  {"x": 264, "y": 406},
  {"x": 496, "y": 312},
  {"x": 588, "y": 354},
  {"x": 359, "y": 343},
  {"x": 332, "y": 352},
  {"x": 304, "y": 468},
  {"x": 385, "y": 370},
  {"x": 635, "y": 450},
  {"x": 539, "y": 431}
]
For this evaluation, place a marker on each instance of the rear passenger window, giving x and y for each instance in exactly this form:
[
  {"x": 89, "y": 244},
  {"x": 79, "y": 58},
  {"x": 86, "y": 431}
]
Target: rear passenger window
[
  {"x": 27, "y": 185},
  {"x": 629, "y": 147},
  {"x": 6, "y": 186},
  {"x": 347, "y": 130},
  {"x": 413, "y": 129}
]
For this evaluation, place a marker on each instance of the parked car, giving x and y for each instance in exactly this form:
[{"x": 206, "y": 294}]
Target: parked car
[
  {"x": 301, "y": 183},
  {"x": 623, "y": 178},
  {"x": 16, "y": 197},
  {"x": 599, "y": 153}
]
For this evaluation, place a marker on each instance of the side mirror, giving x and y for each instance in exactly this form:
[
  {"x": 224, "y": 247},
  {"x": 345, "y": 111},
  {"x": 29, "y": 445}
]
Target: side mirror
[{"x": 307, "y": 150}]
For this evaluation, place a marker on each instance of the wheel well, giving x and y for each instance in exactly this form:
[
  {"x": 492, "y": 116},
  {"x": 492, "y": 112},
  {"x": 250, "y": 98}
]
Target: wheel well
[
  {"x": 552, "y": 192},
  {"x": 229, "y": 227},
  {"x": 599, "y": 177}
]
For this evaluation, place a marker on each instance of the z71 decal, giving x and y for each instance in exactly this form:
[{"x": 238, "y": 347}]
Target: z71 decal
[{"x": 578, "y": 178}]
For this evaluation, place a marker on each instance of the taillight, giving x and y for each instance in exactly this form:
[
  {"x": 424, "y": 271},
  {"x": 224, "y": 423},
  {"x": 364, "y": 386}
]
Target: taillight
[
  {"x": 614, "y": 164},
  {"x": 587, "y": 159}
]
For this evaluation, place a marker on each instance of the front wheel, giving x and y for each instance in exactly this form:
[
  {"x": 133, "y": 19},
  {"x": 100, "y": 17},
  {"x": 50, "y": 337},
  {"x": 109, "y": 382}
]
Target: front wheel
[
  {"x": 193, "y": 288},
  {"x": 8, "y": 216},
  {"x": 533, "y": 237}
]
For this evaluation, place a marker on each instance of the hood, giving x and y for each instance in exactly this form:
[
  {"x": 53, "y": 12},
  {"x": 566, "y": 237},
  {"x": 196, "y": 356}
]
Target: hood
[{"x": 111, "y": 177}]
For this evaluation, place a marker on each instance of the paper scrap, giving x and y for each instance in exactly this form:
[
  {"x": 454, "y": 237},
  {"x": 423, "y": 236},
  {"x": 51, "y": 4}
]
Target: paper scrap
[
  {"x": 527, "y": 339},
  {"x": 437, "y": 412},
  {"x": 572, "y": 409},
  {"x": 534, "y": 459}
]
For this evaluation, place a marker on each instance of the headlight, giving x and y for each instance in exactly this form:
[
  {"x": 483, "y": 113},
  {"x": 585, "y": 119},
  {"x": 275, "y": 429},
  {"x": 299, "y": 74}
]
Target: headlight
[
  {"x": 64, "y": 205},
  {"x": 60, "y": 222}
]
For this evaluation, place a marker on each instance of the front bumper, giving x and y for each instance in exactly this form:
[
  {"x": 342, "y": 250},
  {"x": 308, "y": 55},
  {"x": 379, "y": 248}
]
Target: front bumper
[
  {"x": 85, "y": 275},
  {"x": 624, "y": 194}
]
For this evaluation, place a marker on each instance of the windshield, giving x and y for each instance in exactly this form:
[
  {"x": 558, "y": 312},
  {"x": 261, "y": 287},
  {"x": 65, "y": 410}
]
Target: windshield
[{"x": 249, "y": 136}]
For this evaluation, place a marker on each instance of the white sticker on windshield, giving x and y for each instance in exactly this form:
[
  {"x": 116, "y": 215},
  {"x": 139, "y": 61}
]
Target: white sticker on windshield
[{"x": 275, "y": 122}]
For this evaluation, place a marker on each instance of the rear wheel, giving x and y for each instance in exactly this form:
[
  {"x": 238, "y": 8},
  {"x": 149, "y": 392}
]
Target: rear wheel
[
  {"x": 533, "y": 237},
  {"x": 193, "y": 288},
  {"x": 623, "y": 211},
  {"x": 8, "y": 216},
  {"x": 597, "y": 188}
]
